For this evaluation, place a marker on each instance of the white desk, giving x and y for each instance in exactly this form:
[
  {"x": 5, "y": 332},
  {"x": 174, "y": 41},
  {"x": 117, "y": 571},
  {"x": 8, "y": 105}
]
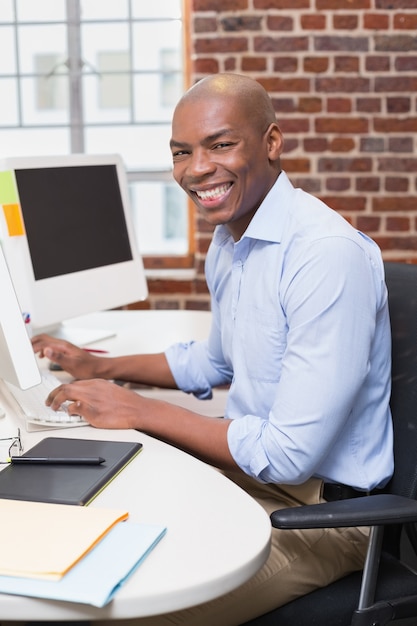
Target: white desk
[{"x": 204, "y": 553}]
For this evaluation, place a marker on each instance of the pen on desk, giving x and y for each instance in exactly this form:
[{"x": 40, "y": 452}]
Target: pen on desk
[
  {"x": 95, "y": 351},
  {"x": 56, "y": 460}
]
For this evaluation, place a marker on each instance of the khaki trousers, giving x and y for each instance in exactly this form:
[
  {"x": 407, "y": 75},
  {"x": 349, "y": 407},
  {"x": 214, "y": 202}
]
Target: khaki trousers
[{"x": 299, "y": 562}]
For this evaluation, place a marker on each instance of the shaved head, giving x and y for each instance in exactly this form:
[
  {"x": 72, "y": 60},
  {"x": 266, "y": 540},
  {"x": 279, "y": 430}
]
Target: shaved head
[
  {"x": 226, "y": 147},
  {"x": 249, "y": 96}
]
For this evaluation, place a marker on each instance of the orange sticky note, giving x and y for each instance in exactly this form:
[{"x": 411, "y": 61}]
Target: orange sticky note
[{"x": 14, "y": 220}]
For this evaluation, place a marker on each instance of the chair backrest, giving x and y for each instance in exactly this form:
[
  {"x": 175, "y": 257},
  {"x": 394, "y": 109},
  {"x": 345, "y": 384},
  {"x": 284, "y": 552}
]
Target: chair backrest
[{"x": 401, "y": 279}]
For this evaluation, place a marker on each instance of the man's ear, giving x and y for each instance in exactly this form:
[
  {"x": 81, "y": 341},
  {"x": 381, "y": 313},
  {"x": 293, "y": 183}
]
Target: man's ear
[{"x": 275, "y": 142}]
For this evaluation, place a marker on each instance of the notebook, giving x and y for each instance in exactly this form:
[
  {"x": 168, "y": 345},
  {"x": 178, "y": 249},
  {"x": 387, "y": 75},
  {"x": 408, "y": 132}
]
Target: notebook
[{"x": 67, "y": 484}]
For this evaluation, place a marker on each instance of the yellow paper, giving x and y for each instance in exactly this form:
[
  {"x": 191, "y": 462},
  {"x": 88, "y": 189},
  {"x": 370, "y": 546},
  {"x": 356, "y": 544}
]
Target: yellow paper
[
  {"x": 14, "y": 220},
  {"x": 42, "y": 540}
]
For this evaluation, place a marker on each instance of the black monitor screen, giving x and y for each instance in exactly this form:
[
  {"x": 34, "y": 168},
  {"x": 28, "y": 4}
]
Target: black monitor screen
[{"x": 74, "y": 218}]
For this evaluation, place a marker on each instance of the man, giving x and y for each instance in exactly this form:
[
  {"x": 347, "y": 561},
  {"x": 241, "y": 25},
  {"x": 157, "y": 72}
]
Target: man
[{"x": 300, "y": 332}]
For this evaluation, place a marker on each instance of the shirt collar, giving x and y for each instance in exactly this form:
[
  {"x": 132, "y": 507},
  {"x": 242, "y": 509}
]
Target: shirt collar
[{"x": 268, "y": 221}]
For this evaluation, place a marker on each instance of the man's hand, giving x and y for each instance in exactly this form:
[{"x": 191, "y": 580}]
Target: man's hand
[
  {"x": 107, "y": 405},
  {"x": 102, "y": 403},
  {"x": 74, "y": 360}
]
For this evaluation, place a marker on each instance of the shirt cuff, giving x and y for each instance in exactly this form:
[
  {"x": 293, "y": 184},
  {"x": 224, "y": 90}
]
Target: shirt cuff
[{"x": 190, "y": 379}]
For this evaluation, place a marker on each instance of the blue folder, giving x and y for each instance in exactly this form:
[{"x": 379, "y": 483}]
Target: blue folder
[{"x": 101, "y": 573}]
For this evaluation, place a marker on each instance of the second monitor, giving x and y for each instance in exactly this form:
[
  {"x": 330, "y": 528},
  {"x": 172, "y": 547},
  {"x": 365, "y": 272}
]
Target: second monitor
[{"x": 76, "y": 252}]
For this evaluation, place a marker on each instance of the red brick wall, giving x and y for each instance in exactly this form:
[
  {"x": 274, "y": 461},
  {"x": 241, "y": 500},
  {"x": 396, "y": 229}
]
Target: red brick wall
[{"x": 343, "y": 78}]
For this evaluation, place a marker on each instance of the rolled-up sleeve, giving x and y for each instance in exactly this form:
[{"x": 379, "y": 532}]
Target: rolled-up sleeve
[{"x": 333, "y": 388}]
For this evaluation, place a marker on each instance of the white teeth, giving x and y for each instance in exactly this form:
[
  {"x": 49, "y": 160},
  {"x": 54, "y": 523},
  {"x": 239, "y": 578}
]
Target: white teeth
[{"x": 212, "y": 194}]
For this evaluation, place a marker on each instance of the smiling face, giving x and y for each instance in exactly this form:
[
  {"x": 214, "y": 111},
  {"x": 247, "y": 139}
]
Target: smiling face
[{"x": 225, "y": 152}]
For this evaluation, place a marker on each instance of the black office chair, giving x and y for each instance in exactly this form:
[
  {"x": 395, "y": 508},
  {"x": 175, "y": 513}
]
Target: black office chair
[{"x": 381, "y": 595}]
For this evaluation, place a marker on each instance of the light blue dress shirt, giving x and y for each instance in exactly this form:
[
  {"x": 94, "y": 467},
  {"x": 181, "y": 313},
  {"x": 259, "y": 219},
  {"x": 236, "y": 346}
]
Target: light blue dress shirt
[{"x": 301, "y": 332}]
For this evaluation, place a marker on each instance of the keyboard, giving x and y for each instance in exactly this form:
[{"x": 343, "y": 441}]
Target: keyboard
[{"x": 32, "y": 405}]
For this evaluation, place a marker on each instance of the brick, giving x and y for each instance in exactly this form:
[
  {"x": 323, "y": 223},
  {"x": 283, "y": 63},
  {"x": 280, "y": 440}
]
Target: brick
[
  {"x": 230, "y": 64},
  {"x": 341, "y": 125},
  {"x": 342, "y": 204},
  {"x": 290, "y": 144},
  {"x": 219, "y": 5},
  {"x": 368, "y": 224},
  {"x": 200, "y": 285},
  {"x": 253, "y": 64},
  {"x": 342, "y": 84},
  {"x": 197, "y": 305},
  {"x": 312, "y": 185},
  {"x": 281, "y": 4},
  {"x": 397, "y": 164},
  {"x": 315, "y": 144},
  {"x": 372, "y": 144},
  {"x": 313, "y": 22},
  {"x": 163, "y": 303},
  {"x": 333, "y": 164},
  {"x": 396, "y": 83},
  {"x": 310, "y": 105},
  {"x": 395, "y": 43},
  {"x": 295, "y": 125},
  {"x": 341, "y": 144},
  {"x": 406, "y": 64},
  {"x": 157, "y": 285},
  {"x": 335, "y": 42},
  {"x": 283, "y": 105},
  {"x": 338, "y": 183},
  {"x": 316, "y": 64},
  {"x": 340, "y": 5},
  {"x": 279, "y": 22},
  {"x": 405, "y": 21},
  {"x": 375, "y": 21},
  {"x": 205, "y": 25},
  {"x": 221, "y": 44},
  {"x": 398, "y": 105},
  {"x": 241, "y": 22},
  {"x": 339, "y": 105},
  {"x": 205, "y": 66},
  {"x": 394, "y": 203},
  {"x": 397, "y": 224},
  {"x": 142, "y": 305},
  {"x": 396, "y": 4},
  {"x": 285, "y": 84},
  {"x": 296, "y": 165},
  {"x": 202, "y": 244},
  {"x": 401, "y": 144},
  {"x": 285, "y": 64},
  {"x": 280, "y": 44},
  {"x": 368, "y": 105},
  {"x": 367, "y": 183},
  {"x": 377, "y": 63},
  {"x": 345, "y": 22},
  {"x": 397, "y": 243},
  {"x": 395, "y": 125},
  {"x": 346, "y": 64},
  {"x": 396, "y": 183}
]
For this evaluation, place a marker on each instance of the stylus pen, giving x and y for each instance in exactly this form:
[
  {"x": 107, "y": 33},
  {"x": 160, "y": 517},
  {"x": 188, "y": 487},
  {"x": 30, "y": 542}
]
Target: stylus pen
[
  {"x": 95, "y": 351},
  {"x": 57, "y": 460}
]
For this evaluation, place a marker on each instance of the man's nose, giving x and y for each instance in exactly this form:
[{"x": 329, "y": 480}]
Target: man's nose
[{"x": 200, "y": 163}]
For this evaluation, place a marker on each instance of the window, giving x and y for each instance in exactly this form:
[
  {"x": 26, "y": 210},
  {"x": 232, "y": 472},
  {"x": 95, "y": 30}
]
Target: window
[{"x": 100, "y": 77}]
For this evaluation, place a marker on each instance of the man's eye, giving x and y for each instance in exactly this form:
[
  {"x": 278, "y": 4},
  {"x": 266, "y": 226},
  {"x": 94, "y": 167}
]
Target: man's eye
[{"x": 224, "y": 144}]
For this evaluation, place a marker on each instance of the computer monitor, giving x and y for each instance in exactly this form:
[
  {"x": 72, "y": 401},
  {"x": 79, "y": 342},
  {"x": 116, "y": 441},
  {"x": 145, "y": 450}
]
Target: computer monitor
[
  {"x": 18, "y": 364},
  {"x": 69, "y": 240}
]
